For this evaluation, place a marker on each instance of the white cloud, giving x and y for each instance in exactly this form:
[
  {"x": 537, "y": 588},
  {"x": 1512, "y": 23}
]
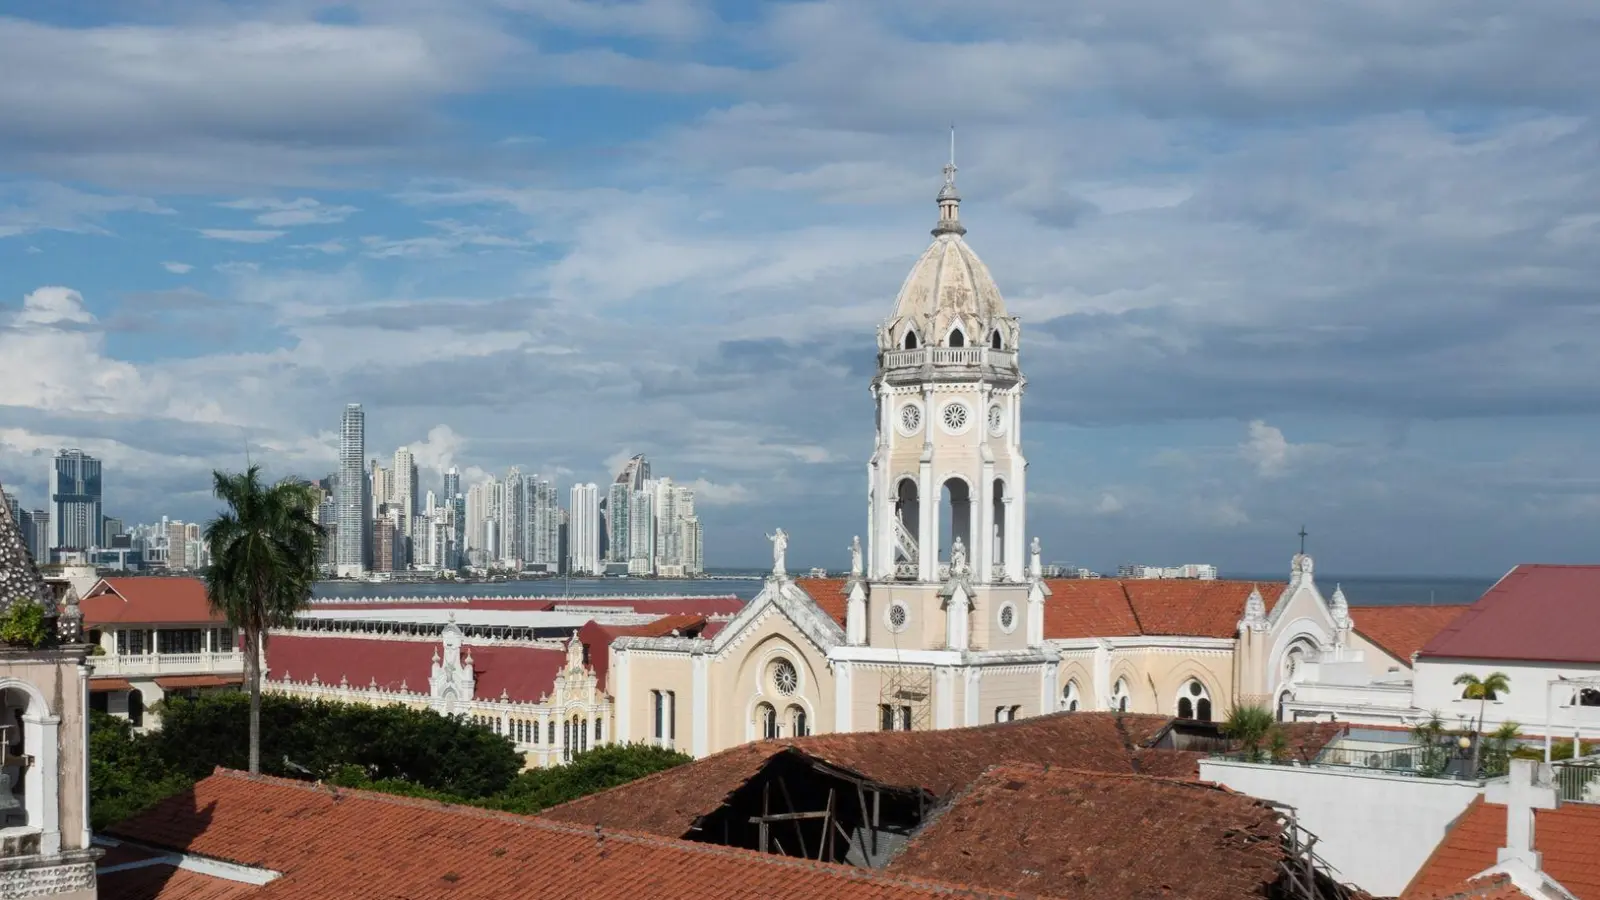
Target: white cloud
[
  {"x": 1109, "y": 504},
  {"x": 290, "y": 213},
  {"x": 332, "y": 247},
  {"x": 712, "y": 494},
  {"x": 241, "y": 236},
  {"x": 1266, "y": 449},
  {"x": 177, "y": 268},
  {"x": 438, "y": 450},
  {"x": 52, "y": 305}
]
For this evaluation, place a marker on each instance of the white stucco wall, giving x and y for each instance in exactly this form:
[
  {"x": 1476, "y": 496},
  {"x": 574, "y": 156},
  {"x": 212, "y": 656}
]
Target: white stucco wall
[
  {"x": 1375, "y": 829},
  {"x": 1524, "y": 703}
]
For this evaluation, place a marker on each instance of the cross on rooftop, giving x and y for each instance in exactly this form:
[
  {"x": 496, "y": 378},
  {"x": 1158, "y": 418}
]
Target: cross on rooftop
[{"x": 1302, "y": 540}]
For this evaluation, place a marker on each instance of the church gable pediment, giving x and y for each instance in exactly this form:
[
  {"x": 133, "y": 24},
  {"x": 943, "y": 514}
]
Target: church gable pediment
[{"x": 782, "y": 597}]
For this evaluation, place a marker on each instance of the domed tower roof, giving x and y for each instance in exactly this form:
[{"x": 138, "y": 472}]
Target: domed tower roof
[{"x": 949, "y": 288}]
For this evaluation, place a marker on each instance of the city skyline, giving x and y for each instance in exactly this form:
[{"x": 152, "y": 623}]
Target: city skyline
[{"x": 1277, "y": 264}]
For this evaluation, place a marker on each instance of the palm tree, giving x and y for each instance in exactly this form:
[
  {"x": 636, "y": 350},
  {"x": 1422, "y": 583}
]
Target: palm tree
[
  {"x": 1250, "y": 726},
  {"x": 1482, "y": 690},
  {"x": 265, "y": 547}
]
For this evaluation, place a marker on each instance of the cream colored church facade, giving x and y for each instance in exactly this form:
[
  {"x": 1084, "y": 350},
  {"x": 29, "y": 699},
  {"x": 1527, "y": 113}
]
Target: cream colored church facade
[{"x": 946, "y": 620}]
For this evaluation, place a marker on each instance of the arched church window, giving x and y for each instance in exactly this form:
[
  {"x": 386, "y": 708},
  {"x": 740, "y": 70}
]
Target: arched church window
[
  {"x": 1069, "y": 697},
  {"x": 551, "y": 739},
  {"x": 1194, "y": 701},
  {"x": 797, "y": 722},
  {"x": 784, "y": 677},
  {"x": 1119, "y": 695},
  {"x": 583, "y": 735},
  {"x": 994, "y": 339},
  {"x": 911, "y": 340},
  {"x": 1588, "y": 697},
  {"x": 767, "y": 718},
  {"x": 957, "y": 339}
]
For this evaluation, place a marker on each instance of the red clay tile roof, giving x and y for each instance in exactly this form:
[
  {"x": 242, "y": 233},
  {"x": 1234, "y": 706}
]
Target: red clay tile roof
[
  {"x": 726, "y": 605},
  {"x": 1538, "y": 613},
  {"x": 829, "y": 594},
  {"x": 1566, "y": 838},
  {"x": 164, "y": 881},
  {"x": 357, "y": 844},
  {"x": 941, "y": 762},
  {"x": 525, "y": 673},
  {"x": 184, "y": 682},
  {"x": 1109, "y": 607},
  {"x": 97, "y": 685},
  {"x": 596, "y": 638},
  {"x": 149, "y": 600},
  {"x": 1067, "y": 833},
  {"x": 1402, "y": 630}
]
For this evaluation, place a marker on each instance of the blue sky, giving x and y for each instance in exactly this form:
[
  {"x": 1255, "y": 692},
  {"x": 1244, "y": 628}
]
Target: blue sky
[{"x": 1328, "y": 263}]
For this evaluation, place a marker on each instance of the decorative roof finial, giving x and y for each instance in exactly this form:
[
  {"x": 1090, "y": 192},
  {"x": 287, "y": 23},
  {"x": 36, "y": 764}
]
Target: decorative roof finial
[{"x": 949, "y": 197}]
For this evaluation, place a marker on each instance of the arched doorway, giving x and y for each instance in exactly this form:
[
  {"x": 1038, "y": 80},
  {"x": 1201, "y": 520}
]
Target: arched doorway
[
  {"x": 958, "y": 513},
  {"x": 136, "y": 708}
]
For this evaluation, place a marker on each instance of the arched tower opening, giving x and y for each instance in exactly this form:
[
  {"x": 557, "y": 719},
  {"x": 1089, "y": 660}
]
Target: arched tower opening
[
  {"x": 997, "y": 545},
  {"x": 957, "y": 512},
  {"x": 908, "y": 519}
]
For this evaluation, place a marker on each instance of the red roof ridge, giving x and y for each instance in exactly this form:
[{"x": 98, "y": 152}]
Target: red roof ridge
[
  {"x": 611, "y": 834},
  {"x": 1045, "y": 768}
]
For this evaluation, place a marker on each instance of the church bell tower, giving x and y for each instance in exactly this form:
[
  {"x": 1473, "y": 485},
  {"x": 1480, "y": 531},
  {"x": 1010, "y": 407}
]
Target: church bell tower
[{"x": 947, "y": 477}]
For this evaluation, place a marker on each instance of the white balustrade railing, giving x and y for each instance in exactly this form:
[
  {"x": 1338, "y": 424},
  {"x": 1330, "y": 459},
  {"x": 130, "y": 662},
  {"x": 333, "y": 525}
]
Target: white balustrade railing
[
  {"x": 168, "y": 663},
  {"x": 949, "y": 356}
]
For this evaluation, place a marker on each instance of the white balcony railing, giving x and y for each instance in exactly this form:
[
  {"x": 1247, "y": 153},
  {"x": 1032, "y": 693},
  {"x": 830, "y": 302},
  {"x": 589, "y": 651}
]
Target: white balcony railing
[
  {"x": 949, "y": 356},
  {"x": 169, "y": 664}
]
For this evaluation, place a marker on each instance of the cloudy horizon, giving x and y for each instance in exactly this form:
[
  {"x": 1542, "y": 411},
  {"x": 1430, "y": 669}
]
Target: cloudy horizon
[{"x": 1328, "y": 264}]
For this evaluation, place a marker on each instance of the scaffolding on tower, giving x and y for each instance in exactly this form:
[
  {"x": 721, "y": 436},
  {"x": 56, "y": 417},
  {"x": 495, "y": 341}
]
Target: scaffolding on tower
[{"x": 907, "y": 692}]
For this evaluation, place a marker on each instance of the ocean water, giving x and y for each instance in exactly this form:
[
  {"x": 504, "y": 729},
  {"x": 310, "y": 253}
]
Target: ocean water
[{"x": 1360, "y": 590}]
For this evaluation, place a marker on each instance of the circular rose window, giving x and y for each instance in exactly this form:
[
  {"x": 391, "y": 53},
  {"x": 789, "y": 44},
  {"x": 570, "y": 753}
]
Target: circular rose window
[
  {"x": 897, "y": 616},
  {"x": 997, "y": 421},
  {"x": 1008, "y": 617},
  {"x": 910, "y": 418},
  {"x": 785, "y": 677},
  {"x": 955, "y": 417}
]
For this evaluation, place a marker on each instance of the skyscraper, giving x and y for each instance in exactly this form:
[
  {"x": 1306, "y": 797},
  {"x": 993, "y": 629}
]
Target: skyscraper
[
  {"x": 513, "y": 518},
  {"x": 583, "y": 535},
  {"x": 457, "y": 502},
  {"x": 351, "y": 500},
  {"x": 405, "y": 487},
  {"x": 618, "y": 501},
  {"x": 635, "y": 473},
  {"x": 75, "y": 515},
  {"x": 642, "y": 531},
  {"x": 544, "y": 524}
]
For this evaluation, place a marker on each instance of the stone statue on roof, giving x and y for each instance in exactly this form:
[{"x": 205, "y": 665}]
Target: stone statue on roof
[
  {"x": 855, "y": 556},
  {"x": 1035, "y": 563},
  {"x": 780, "y": 547},
  {"x": 958, "y": 558}
]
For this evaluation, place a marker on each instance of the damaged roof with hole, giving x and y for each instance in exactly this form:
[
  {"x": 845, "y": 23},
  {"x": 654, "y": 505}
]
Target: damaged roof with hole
[
  {"x": 1063, "y": 832},
  {"x": 358, "y": 844},
  {"x": 939, "y": 762}
]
